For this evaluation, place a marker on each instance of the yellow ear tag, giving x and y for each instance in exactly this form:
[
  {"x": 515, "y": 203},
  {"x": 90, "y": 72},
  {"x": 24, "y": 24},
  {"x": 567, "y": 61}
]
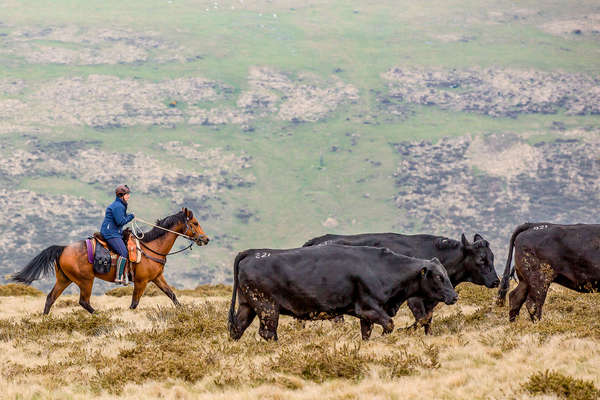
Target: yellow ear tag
[{"x": 423, "y": 272}]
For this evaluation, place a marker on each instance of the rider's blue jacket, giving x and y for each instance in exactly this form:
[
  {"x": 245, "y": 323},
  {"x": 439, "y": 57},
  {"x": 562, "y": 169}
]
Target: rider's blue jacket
[{"x": 116, "y": 216}]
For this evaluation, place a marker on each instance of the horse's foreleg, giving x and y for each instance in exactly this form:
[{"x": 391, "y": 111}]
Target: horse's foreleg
[
  {"x": 61, "y": 284},
  {"x": 164, "y": 286},
  {"x": 85, "y": 292},
  {"x": 138, "y": 291}
]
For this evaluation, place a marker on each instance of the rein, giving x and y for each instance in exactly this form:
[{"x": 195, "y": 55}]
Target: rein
[{"x": 136, "y": 228}]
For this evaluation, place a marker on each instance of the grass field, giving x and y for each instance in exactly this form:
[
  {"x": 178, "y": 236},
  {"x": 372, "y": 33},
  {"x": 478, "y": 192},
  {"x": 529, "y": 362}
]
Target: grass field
[{"x": 159, "y": 351}]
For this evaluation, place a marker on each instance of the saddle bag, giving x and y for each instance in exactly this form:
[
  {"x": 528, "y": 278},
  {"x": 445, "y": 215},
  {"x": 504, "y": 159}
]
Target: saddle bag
[{"x": 102, "y": 259}]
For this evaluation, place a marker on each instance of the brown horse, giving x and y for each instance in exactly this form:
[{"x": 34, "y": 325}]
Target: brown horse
[{"x": 71, "y": 262}]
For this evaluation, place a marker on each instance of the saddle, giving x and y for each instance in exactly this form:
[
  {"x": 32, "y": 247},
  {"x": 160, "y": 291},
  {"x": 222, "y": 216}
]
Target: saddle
[{"x": 104, "y": 259}]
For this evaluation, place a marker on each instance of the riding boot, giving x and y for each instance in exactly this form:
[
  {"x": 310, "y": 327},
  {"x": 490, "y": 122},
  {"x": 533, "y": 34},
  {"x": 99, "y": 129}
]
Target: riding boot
[
  {"x": 126, "y": 274},
  {"x": 121, "y": 261}
]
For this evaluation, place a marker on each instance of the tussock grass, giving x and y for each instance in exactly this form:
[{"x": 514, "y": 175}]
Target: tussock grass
[
  {"x": 35, "y": 328},
  {"x": 564, "y": 386},
  {"x": 18, "y": 289},
  {"x": 153, "y": 290}
]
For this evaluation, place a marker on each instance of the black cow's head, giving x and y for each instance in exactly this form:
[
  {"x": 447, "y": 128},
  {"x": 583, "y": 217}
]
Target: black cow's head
[
  {"x": 435, "y": 282},
  {"x": 479, "y": 262}
]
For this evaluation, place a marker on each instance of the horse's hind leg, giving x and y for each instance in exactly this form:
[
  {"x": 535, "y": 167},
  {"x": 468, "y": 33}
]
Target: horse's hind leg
[
  {"x": 61, "y": 284},
  {"x": 85, "y": 292},
  {"x": 164, "y": 286}
]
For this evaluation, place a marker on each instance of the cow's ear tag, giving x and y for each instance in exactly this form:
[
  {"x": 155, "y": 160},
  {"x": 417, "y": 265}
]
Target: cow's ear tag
[{"x": 423, "y": 272}]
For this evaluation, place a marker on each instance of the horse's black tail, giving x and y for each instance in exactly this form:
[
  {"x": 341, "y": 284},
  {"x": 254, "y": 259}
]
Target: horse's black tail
[
  {"x": 508, "y": 271},
  {"x": 232, "y": 329},
  {"x": 43, "y": 263}
]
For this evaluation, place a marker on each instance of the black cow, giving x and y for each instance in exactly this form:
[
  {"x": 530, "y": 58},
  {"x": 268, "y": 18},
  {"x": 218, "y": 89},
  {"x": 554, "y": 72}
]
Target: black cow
[
  {"x": 323, "y": 282},
  {"x": 544, "y": 253},
  {"x": 464, "y": 261}
]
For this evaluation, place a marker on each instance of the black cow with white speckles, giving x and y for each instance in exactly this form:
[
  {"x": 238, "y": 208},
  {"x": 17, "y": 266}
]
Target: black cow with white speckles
[{"x": 323, "y": 282}]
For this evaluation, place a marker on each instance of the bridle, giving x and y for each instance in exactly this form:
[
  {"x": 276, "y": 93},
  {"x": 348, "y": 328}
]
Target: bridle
[{"x": 192, "y": 240}]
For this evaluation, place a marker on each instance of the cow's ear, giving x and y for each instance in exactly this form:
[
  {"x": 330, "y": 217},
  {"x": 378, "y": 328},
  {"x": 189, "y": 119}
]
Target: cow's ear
[
  {"x": 425, "y": 272},
  {"x": 464, "y": 241},
  {"x": 477, "y": 237}
]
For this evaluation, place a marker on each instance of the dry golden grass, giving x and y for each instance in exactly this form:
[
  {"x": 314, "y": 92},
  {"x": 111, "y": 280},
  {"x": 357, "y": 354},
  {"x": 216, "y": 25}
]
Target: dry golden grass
[
  {"x": 159, "y": 351},
  {"x": 153, "y": 290}
]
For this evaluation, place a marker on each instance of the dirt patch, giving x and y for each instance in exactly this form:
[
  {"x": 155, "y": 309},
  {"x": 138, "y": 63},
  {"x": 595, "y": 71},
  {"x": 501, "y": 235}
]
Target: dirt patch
[
  {"x": 81, "y": 161},
  {"x": 12, "y": 87},
  {"x": 502, "y": 155},
  {"x": 587, "y": 25},
  {"x": 71, "y": 44},
  {"x": 305, "y": 99},
  {"x": 490, "y": 185},
  {"x": 495, "y": 92},
  {"x": 513, "y": 14},
  {"x": 104, "y": 101}
]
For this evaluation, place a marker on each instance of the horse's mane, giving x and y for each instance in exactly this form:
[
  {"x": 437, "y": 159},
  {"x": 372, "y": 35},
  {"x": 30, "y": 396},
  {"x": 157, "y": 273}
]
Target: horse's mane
[{"x": 167, "y": 222}]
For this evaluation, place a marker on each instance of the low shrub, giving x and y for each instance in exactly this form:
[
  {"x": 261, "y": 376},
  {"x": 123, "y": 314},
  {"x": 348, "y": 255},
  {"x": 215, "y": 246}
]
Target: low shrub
[
  {"x": 564, "y": 386},
  {"x": 318, "y": 363},
  {"x": 18, "y": 289}
]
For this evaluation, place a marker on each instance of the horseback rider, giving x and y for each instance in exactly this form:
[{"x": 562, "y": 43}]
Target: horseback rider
[{"x": 112, "y": 228}]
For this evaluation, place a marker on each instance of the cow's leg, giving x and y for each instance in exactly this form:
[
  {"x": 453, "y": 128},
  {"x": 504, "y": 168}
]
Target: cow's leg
[
  {"x": 516, "y": 299},
  {"x": 242, "y": 320},
  {"x": 164, "y": 286},
  {"x": 85, "y": 292},
  {"x": 366, "y": 327},
  {"x": 268, "y": 314},
  {"x": 422, "y": 311},
  {"x": 539, "y": 283},
  {"x": 373, "y": 313},
  {"x": 61, "y": 284}
]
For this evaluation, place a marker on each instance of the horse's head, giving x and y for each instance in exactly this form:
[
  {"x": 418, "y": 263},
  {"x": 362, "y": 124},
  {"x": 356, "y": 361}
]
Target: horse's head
[{"x": 193, "y": 229}]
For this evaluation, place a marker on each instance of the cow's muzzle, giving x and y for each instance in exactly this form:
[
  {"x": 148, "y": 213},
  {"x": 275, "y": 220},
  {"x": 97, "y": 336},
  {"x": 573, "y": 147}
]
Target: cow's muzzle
[
  {"x": 493, "y": 284},
  {"x": 451, "y": 298}
]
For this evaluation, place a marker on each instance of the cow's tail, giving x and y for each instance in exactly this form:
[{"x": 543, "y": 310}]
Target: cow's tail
[
  {"x": 508, "y": 271},
  {"x": 232, "y": 328},
  {"x": 42, "y": 264}
]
